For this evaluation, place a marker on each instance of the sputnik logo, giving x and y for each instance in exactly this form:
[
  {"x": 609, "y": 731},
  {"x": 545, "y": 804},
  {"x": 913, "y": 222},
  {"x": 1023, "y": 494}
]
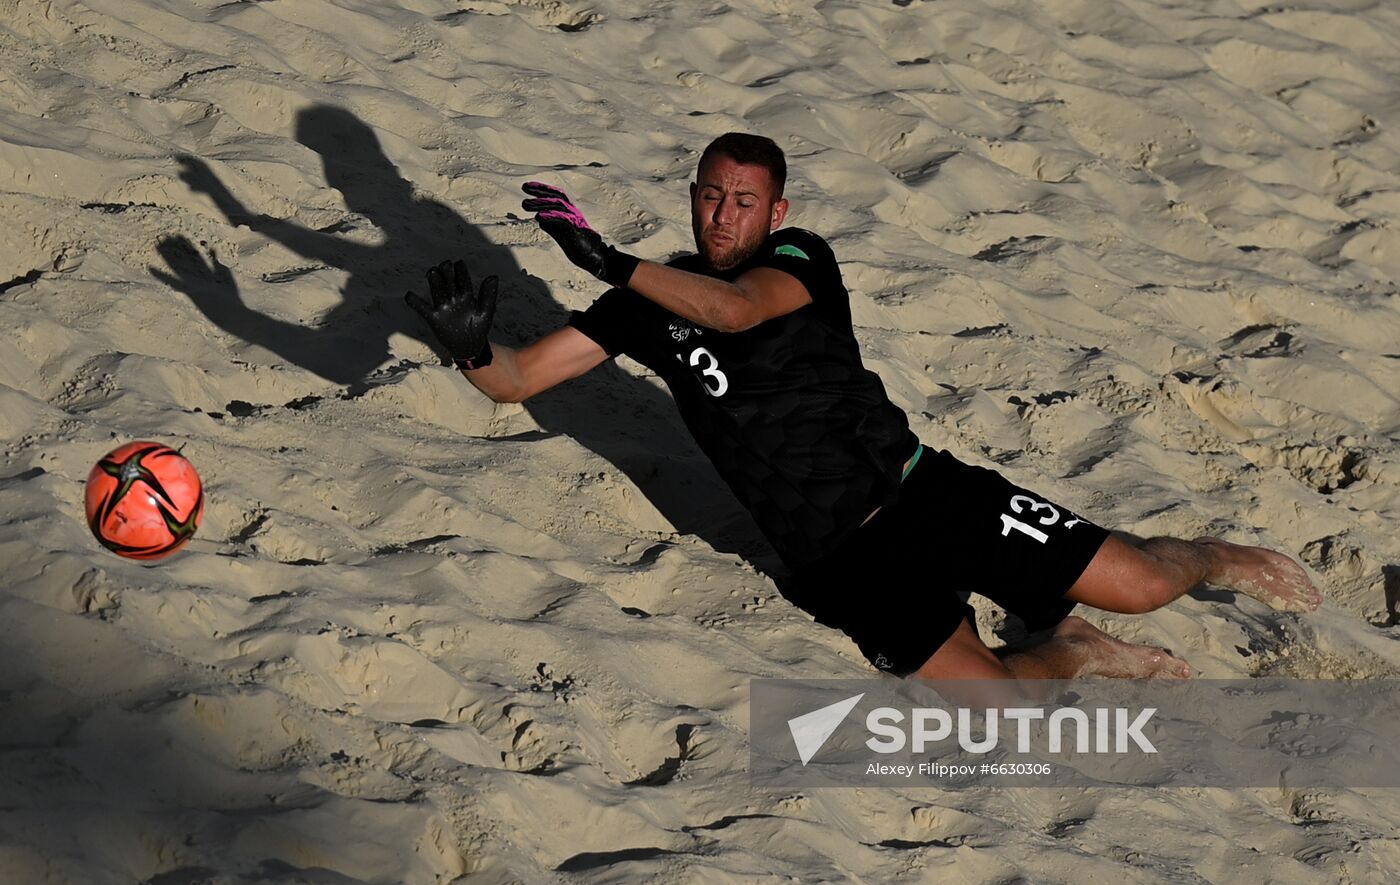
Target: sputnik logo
[{"x": 811, "y": 730}]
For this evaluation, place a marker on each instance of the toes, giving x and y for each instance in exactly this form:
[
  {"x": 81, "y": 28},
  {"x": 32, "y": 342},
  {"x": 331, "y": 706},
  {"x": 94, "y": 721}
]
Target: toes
[
  {"x": 1306, "y": 601},
  {"x": 1168, "y": 664},
  {"x": 1175, "y": 668}
]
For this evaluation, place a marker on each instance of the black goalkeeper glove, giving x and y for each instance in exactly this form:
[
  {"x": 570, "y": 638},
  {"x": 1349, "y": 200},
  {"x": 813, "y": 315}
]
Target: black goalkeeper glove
[
  {"x": 562, "y": 220},
  {"x": 458, "y": 317}
]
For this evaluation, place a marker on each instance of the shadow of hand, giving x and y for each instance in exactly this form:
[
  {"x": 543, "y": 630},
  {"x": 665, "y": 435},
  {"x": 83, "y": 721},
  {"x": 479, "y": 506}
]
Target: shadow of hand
[
  {"x": 202, "y": 180},
  {"x": 209, "y": 285}
]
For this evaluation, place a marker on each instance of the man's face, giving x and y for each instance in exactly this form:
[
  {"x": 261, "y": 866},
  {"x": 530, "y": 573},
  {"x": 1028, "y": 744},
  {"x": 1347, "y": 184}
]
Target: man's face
[{"x": 733, "y": 207}]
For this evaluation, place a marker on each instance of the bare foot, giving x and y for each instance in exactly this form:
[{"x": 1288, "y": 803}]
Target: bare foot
[
  {"x": 1105, "y": 656},
  {"x": 1272, "y": 578}
]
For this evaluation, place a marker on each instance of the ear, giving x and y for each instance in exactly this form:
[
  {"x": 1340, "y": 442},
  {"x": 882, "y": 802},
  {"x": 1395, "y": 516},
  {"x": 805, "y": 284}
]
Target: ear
[
  {"x": 693, "y": 187},
  {"x": 780, "y": 211}
]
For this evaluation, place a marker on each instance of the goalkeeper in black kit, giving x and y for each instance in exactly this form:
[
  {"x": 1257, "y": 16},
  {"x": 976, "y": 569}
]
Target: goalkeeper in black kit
[{"x": 883, "y": 536}]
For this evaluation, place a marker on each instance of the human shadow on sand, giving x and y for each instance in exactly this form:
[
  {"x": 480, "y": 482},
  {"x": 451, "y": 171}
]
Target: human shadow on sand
[{"x": 626, "y": 420}]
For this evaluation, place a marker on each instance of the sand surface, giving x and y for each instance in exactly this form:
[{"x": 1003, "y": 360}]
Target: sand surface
[{"x": 1142, "y": 255}]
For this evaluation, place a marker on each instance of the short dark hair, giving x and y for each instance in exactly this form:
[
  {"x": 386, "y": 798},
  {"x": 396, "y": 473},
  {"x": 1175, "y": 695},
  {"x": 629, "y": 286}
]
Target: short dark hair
[{"x": 750, "y": 150}]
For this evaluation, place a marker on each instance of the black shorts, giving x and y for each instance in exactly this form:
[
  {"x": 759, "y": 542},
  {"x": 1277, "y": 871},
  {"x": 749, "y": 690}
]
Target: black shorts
[{"x": 899, "y": 585}]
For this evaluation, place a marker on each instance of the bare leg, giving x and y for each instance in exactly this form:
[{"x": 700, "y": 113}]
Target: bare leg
[
  {"x": 1124, "y": 578},
  {"x": 1078, "y": 648},
  {"x": 1133, "y": 580}
]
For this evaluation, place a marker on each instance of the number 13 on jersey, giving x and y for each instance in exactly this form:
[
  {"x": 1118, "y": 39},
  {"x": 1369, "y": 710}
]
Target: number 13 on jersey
[{"x": 1022, "y": 504}]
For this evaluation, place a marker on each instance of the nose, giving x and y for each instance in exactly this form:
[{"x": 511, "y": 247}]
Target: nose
[{"x": 724, "y": 212}]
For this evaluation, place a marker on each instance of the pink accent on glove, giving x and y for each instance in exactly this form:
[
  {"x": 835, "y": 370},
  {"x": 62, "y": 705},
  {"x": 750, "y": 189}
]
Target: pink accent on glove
[{"x": 553, "y": 204}]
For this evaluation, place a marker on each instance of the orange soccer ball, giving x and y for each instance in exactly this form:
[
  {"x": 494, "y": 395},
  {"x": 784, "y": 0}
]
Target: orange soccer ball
[{"x": 144, "y": 500}]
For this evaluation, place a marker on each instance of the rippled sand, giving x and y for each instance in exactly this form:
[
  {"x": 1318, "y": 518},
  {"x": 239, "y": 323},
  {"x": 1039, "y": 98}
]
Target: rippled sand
[{"x": 1142, "y": 256}]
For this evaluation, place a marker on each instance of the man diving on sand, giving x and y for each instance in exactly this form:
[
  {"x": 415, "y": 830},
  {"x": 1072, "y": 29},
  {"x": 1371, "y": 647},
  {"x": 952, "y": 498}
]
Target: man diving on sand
[{"x": 883, "y": 536}]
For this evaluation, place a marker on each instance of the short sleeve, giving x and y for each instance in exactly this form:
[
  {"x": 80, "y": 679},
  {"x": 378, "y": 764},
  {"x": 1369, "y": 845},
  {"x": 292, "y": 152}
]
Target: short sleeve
[
  {"x": 607, "y": 320},
  {"x": 804, "y": 255}
]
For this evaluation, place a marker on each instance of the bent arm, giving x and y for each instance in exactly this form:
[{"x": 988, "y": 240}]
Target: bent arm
[
  {"x": 758, "y": 295},
  {"x": 515, "y": 375}
]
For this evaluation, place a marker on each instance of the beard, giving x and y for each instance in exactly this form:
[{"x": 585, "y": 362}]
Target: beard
[{"x": 723, "y": 256}]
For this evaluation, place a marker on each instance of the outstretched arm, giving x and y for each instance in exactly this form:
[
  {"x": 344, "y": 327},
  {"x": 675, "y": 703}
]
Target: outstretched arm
[
  {"x": 460, "y": 316},
  {"x": 516, "y": 375}
]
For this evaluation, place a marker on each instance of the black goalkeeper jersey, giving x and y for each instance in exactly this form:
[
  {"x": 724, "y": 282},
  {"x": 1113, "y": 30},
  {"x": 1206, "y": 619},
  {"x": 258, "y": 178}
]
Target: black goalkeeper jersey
[{"x": 801, "y": 431}]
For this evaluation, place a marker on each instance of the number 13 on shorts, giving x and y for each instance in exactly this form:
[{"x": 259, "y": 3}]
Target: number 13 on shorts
[{"x": 1043, "y": 512}]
